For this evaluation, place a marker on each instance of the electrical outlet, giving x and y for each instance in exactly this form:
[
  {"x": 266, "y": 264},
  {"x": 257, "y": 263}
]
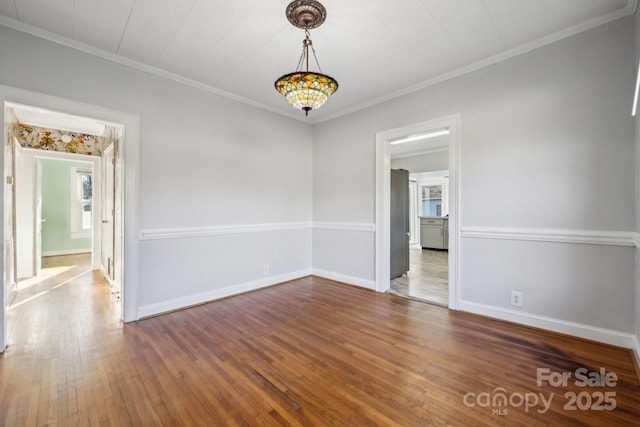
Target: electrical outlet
[
  {"x": 266, "y": 269},
  {"x": 516, "y": 298}
]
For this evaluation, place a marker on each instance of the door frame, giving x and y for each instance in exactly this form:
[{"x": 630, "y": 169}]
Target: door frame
[
  {"x": 107, "y": 217},
  {"x": 383, "y": 205},
  {"x": 128, "y": 158}
]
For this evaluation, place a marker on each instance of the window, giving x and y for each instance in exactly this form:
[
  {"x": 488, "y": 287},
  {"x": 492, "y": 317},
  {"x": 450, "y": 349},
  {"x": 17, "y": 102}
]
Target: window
[
  {"x": 86, "y": 190},
  {"x": 431, "y": 200},
  {"x": 433, "y": 194},
  {"x": 81, "y": 202}
]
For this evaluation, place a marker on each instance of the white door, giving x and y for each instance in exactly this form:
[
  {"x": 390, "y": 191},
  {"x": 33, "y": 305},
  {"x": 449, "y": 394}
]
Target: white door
[
  {"x": 9, "y": 236},
  {"x": 38, "y": 219},
  {"x": 108, "y": 215}
]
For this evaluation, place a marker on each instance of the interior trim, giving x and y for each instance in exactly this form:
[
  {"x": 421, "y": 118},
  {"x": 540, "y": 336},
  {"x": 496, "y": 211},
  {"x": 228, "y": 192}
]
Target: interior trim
[
  {"x": 113, "y": 57},
  {"x": 184, "y": 232},
  {"x": 345, "y": 226},
  {"x": 216, "y": 294},
  {"x": 420, "y": 153},
  {"x": 636, "y": 239},
  {"x": 343, "y": 278},
  {"x": 608, "y": 336},
  {"x": 629, "y": 9},
  {"x": 180, "y": 233},
  {"x": 636, "y": 351},
  {"x": 67, "y": 252},
  {"x": 591, "y": 237},
  {"x": 12, "y": 292},
  {"x": 382, "y": 200}
]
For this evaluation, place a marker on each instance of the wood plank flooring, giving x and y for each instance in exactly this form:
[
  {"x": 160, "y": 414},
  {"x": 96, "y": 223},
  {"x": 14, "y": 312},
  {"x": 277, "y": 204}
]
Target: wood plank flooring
[
  {"x": 427, "y": 279},
  {"x": 310, "y": 352}
]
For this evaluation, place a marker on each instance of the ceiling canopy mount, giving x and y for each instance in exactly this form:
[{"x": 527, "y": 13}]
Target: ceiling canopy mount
[{"x": 306, "y": 14}]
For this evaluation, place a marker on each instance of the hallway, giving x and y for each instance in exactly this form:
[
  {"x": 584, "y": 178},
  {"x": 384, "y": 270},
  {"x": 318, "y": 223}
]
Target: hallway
[
  {"x": 58, "y": 323},
  {"x": 65, "y": 296}
]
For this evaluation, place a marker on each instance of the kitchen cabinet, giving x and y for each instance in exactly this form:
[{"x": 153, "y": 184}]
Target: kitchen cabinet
[{"x": 434, "y": 232}]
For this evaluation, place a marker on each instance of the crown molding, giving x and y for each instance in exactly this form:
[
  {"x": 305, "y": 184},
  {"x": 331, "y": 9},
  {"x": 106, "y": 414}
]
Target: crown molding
[
  {"x": 65, "y": 41},
  {"x": 503, "y": 56},
  {"x": 113, "y": 57}
]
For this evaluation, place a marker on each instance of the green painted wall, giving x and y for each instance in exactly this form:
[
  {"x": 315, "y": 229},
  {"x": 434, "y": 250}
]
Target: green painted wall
[{"x": 56, "y": 207}]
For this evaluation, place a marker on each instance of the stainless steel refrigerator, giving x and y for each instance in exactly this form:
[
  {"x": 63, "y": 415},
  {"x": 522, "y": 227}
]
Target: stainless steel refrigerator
[{"x": 399, "y": 222}]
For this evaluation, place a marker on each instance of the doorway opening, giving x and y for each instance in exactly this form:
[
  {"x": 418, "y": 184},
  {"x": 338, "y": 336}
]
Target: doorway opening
[
  {"x": 432, "y": 210},
  {"x": 426, "y": 276},
  {"x": 59, "y": 226}
]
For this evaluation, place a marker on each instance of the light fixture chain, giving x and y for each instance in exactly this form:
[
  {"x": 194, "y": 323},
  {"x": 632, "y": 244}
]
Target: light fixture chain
[
  {"x": 316, "y": 58},
  {"x": 302, "y": 58}
]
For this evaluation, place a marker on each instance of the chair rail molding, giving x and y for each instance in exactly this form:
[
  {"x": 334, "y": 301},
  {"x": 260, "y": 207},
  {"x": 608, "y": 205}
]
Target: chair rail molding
[
  {"x": 591, "y": 237},
  {"x": 345, "y": 226},
  {"x": 221, "y": 230},
  {"x": 636, "y": 240}
]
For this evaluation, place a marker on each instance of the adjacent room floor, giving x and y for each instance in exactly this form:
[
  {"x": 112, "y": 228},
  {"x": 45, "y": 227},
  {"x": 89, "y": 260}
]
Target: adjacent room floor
[
  {"x": 62, "y": 293},
  {"x": 427, "y": 278},
  {"x": 310, "y": 352}
]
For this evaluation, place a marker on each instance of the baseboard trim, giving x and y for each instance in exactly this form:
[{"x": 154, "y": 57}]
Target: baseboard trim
[
  {"x": 179, "y": 233},
  {"x": 350, "y": 280},
  {"x": 107, "y": 279},
  {"x": 636, "y": 353},
  {"x": 594, "y": 333},
  {"x": 66, "y": 252},
  {"x": 12, "y": 292},
  {"x": 215, "y": 294},
  {"x": 592, "y": 237}
]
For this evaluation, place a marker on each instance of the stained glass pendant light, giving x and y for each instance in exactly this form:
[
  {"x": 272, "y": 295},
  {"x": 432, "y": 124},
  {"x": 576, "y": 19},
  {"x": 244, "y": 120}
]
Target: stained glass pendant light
[{"x": 306, "y": 90}]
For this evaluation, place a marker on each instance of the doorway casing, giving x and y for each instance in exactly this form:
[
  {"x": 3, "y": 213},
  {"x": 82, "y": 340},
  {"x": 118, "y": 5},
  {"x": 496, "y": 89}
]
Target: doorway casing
[
  {"x": 129, "y": 162},
  {"x": 383, "y": 204}
]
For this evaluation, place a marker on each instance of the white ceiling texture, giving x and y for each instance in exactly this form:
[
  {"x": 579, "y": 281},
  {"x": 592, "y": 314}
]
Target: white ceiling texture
[{"x": 376, "y": 49}]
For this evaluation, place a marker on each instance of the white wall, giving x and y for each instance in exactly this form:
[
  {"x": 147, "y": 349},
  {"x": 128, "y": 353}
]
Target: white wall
[
  {"x": 423, "y": 163},
  {"x": 546, "y": 144},
  {"x": 205, "y": 162}
]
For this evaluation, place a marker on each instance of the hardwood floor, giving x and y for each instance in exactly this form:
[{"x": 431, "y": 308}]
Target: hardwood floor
[
  {"x": 310, "y": 352},
  {"x": 427, "y": 279}
]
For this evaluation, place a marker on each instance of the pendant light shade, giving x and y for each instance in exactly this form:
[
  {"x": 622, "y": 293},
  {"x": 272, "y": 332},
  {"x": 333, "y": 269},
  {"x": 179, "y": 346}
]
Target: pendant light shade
[
  {"x": 303, "y": 89},
  {"x": 306, "y": 91}
]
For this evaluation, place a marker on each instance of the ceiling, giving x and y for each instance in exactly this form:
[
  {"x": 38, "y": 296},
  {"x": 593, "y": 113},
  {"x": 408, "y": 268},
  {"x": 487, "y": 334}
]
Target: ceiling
[
  {"x": 423, "y": 146},
  {"x": 376, "y": 49},
  {"x": 47, "y": 119}
]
